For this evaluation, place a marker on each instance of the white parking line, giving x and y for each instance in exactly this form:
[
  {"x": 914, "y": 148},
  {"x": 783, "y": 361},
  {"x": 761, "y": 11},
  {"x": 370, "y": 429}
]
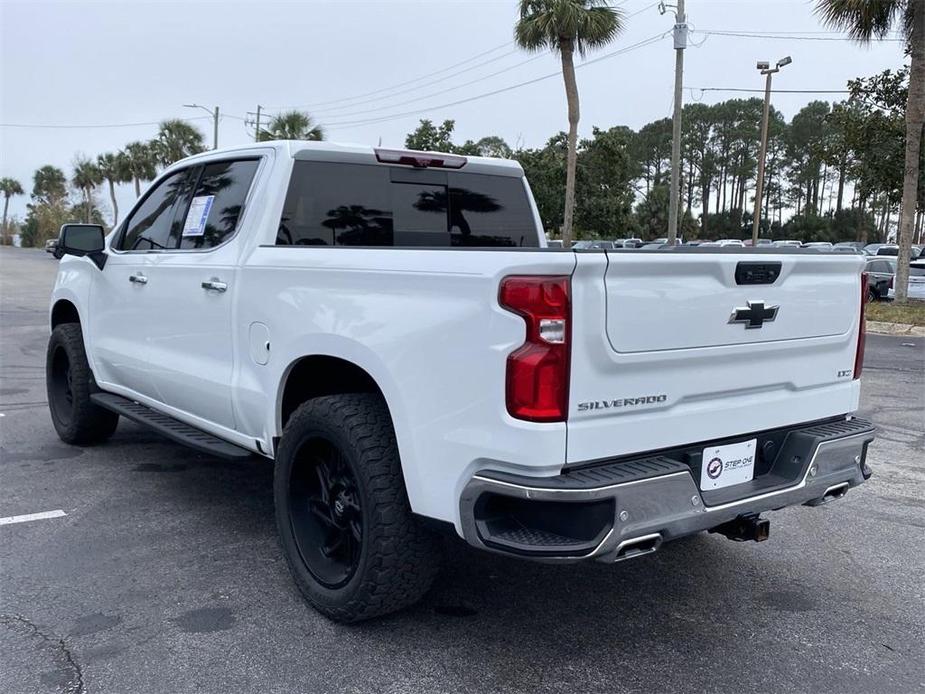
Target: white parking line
[{"x": 32, "y": 516}]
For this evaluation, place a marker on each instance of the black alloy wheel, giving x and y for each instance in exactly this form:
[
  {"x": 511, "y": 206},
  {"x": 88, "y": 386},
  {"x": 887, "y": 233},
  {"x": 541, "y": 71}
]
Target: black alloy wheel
[
  {"x": 325, "y": 513},
  {"x": 61, "y": 387}
]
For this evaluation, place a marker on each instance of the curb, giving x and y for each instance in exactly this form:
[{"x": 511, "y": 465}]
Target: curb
[{"x": 895, "y": 329}]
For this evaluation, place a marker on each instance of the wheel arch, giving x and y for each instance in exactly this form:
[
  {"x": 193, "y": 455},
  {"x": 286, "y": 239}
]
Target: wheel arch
[
  {"x": 64, "y": 311},
  {"x": 314, "y": 375}
]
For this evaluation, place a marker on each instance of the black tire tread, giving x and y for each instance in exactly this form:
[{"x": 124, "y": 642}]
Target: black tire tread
[
  {"x": 400, "y": 560},
  {"x": 89, "y": 423}
]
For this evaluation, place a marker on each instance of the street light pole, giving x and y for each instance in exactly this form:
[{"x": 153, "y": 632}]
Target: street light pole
[
  {"x": 763, "y": 147},
  {"x": 214, "y": 113},
  {"x": 674, "y": 194}
]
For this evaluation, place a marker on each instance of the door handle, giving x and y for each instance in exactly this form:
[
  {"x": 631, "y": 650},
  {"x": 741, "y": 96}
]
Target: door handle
[
  {"x": 215, "y": 285},
  {"x": 138, "y": 279}
]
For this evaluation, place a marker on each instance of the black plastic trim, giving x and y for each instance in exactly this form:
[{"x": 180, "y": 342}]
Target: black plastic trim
[{"x": 171, "y": 428}]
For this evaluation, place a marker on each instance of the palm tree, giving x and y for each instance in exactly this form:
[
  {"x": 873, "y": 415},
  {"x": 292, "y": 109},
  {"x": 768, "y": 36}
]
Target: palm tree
[
  {"x": 865, "y": 20},
  {"x": 49, "y": 185},
  {"x": 564, "y": 27},
  {"x": 176, "y": 139},
  {"x": 87, "y": 176},
  {"x": 9, "y": 187},
  {"x": 291, "y": 125},
  {"x": 114, "y": 168},
  {"x": 142, "y": 163}
]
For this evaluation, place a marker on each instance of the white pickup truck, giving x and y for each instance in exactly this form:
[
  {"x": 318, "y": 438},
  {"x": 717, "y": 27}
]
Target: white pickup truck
[{"x": 389, "y": 328}]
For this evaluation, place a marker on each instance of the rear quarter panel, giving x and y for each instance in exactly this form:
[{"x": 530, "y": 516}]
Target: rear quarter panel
[{"x": 426, "y": 325}]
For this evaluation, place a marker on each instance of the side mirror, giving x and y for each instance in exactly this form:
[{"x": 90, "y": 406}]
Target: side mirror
[{"x": 82, "y": 240}]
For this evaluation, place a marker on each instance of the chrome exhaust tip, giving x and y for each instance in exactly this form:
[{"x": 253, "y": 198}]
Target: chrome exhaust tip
[
  {"x": 836, "y": 491},
  {"x": 638, "y": 546}
]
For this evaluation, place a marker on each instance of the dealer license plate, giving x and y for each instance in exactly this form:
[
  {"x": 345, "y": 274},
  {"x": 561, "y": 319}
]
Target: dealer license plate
[{"x": 723, "y": 466}]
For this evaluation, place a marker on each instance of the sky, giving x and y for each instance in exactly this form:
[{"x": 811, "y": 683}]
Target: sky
[{"x": 369, "y": 70}]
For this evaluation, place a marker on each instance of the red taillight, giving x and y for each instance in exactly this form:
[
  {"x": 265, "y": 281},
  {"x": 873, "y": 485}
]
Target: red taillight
[
  {"x": 862, "y": 330},
  {"x": 538, "y": 370},
  {"x": 421, "y": 160}
]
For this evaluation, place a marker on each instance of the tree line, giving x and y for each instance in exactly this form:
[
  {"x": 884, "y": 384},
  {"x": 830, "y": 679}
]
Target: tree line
[{"x": 838, "y": 168}]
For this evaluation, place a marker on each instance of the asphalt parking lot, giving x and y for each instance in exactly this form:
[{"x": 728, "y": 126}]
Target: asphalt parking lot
[{"x": 165, "y": 575}]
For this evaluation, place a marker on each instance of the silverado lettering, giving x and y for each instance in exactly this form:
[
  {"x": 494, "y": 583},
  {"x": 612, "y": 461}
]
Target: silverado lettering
[{"x": 625, "y": 402}]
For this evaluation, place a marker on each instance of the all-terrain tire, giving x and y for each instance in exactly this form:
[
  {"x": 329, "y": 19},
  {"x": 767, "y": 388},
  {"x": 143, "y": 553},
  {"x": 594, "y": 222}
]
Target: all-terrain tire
[
  {"x": 395, "y": 561},
  {"x": 69, "y": 383}
]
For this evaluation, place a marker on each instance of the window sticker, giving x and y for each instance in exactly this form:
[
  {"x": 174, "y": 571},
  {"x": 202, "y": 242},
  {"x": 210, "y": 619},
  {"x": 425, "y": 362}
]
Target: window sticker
[{"x": 199, "y": 208}]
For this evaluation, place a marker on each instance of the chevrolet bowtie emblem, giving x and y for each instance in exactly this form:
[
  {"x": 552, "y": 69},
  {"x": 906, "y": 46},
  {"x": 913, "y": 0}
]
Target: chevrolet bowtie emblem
[{"x": 754, "y": 315}]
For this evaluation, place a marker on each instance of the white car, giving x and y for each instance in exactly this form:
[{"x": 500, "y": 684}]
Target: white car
[
  {"x": 916, "y": 286},
  {"x": 389, "y": 329}
]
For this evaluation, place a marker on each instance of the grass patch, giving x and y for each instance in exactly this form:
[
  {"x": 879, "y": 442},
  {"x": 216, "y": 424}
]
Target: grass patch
[{"x": 912, "y": 313}]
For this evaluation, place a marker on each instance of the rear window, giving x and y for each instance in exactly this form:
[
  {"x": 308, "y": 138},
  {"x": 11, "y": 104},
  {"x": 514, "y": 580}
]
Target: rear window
[{"x": 359, "y": 205}]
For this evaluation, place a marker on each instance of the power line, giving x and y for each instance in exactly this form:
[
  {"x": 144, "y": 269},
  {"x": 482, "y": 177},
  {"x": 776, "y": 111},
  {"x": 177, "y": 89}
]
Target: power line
[
  {"x": 558, "y": 73},
  {"x": 392, "y": 94},
  {"x": 781, "y": 36},
  {"x": 97, "y": 125},
  {"x": 773, "y": 91},
  {"x": 401, "y": 84},
  {"x": 315, "y": 110},
  {"x": 442, "y": 91}
]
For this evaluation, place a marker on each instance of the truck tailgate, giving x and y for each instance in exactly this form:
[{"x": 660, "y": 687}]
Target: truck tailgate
[
  {"x": 685, "y": 302},
  {"x": 671, "y": 348}
]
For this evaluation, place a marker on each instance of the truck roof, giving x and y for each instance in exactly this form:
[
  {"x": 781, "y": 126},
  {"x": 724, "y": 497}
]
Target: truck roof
[{"x": 357, "y": 154}]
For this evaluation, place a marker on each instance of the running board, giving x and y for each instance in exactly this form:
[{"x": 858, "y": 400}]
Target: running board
[{"x": 171, "y": 428}]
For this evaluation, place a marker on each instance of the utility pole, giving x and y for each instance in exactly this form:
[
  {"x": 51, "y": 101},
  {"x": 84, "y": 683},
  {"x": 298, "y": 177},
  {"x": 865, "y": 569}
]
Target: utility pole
[
  {"x": 257, "y": 131},
  {"x": 214, "y": 114},
  {"x": 680, "y": 43},
  {"x": 765, "y": 69}
]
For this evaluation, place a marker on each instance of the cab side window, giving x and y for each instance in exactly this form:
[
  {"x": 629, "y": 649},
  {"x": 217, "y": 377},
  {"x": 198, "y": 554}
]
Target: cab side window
[
  {"x": 217, "y": 203},
  {"x": 149, "y": 226}
]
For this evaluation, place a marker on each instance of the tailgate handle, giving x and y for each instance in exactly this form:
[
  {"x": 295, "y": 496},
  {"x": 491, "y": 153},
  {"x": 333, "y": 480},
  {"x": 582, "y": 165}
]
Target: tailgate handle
[{"x": 750, "y": 272}]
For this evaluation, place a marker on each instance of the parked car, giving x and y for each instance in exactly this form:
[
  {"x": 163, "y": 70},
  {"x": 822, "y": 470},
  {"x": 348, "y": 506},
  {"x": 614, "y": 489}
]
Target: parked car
[
  {"x": 893, "y": 249},
  {"x": 821, "y": 245},
  {"x": 788, "y": 243},
  {"x": 880, "y": 274},
  {"x": 873, "y": 248},
  {"x": 916, "y": 286},
  {"x": 560, "y": 407},
  {"x": 859, "y": 245},
  {"x": 731, "y": 242},
  {"x": 592, "y": 245},
  {"x": 633, "y": 243},
  {"x": 554, "y": 243}
]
